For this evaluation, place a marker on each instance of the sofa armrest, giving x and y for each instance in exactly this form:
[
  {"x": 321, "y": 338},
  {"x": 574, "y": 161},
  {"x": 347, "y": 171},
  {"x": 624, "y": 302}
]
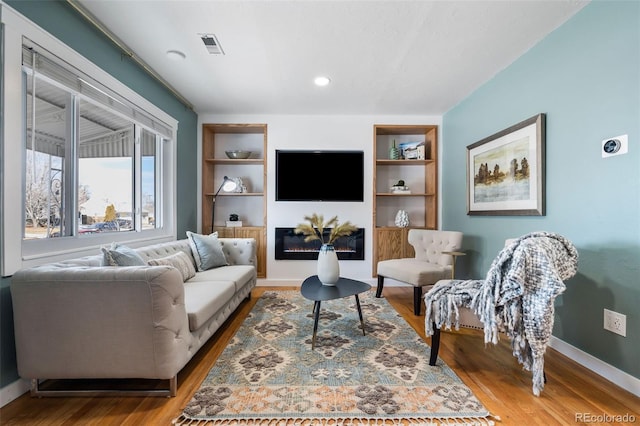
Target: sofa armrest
[
  {"x": 100, "y": 322},
  {"x": 240, "y": 251}
]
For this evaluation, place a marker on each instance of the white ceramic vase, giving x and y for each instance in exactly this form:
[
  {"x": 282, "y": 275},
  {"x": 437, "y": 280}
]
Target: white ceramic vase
[
  {"x": 328, "y": 266},
  {"x": 402, "y": 219}
]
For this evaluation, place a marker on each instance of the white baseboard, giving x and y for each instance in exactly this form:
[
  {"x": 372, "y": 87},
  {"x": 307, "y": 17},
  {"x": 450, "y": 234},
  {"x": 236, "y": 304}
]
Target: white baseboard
[
  {"x": 614, "y": 375},
  {"x": 265, "y": 282},
  {"x": 13, "y": 391},
  {"x": 297, "y": 282}
]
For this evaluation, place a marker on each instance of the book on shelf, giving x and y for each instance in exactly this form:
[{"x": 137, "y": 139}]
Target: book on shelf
[
  {"x": 400, "y": 189},
  {"x": 234, "y": 223}
]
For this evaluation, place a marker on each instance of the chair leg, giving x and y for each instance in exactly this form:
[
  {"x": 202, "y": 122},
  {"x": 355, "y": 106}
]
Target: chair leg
[
  {"x": 417, "y": 300},
  {"x": 435, "y": 345},
  {"x": 380, "y": 285}
]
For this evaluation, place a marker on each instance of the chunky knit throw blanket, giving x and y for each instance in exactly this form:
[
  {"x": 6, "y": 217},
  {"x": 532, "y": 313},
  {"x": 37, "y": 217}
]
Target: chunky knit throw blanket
[{"x": 516, "y": 297}]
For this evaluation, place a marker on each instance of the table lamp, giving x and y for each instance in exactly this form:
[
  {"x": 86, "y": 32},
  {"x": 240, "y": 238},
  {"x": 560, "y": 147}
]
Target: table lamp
[{"x": 228, "y": 185}]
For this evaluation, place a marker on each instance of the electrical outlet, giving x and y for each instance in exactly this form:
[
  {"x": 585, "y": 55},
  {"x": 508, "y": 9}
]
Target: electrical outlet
[{"x": 615, "y": 322}]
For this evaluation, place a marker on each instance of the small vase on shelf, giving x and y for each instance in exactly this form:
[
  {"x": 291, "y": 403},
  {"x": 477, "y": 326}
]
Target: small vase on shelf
[
  {"x": 402, "y": 219},
  {"x": 328, "y": 266},
  {"x": 394, "y": 153}
]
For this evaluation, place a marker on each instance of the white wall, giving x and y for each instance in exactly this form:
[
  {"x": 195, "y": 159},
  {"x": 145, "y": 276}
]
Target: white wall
[{"x": 353, "y": 132}]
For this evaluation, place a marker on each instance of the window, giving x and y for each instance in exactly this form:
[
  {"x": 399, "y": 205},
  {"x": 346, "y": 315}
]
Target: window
[
  {"x": 68, "y": 134},
  {"x": 86, "y": 161}
]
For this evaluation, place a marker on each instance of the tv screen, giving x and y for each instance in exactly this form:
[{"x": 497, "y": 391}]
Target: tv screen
[{"x": 319, "y": 175}]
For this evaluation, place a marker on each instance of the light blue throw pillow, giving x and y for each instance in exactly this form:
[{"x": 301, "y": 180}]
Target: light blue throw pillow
[
  {"x": 207, "y": 250},
  {"x": 119, "y": 255}
]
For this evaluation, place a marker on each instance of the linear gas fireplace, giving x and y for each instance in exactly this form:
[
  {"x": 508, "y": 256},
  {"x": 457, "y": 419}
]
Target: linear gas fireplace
[{"x": 292, "y": 246}]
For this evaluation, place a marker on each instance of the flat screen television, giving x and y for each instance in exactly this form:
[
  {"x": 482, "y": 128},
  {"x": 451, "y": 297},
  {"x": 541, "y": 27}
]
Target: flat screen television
[{"x": 319, "y": 175}]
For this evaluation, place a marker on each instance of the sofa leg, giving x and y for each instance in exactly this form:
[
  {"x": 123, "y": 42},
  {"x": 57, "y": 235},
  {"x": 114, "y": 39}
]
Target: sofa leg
[
  {"x": 171, "y": 391},
  {"x": 417, "y": 300},
  {"x": 380, "y": 285},
  {"x": 435, "y": 345},
  {"x": 173, "y": 386}
]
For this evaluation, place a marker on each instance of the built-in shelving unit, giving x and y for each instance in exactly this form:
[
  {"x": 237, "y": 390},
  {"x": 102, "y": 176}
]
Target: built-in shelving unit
[
  {"x": 249, "y": 205},
  {"x": 420, "y": 175}
]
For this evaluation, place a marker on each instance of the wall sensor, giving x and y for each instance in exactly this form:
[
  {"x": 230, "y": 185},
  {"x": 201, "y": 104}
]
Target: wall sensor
[{"x": 615, "y": 146}]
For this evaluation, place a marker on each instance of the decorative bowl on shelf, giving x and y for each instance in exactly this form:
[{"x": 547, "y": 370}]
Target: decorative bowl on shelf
[{"x": 237, "y": 155}]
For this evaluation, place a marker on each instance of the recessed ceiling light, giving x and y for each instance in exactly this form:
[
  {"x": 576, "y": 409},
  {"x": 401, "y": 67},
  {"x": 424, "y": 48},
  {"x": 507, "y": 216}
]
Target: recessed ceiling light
[
  {"x": 322, "y": 81},
  {"x": 175, "y": 55}
]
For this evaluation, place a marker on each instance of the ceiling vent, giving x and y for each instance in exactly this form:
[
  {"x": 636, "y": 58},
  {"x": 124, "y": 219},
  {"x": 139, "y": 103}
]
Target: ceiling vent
[{"x": 211, "y": 43}]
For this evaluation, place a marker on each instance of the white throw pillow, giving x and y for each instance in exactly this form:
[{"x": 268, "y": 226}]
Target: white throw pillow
[
  {"x": 180, "y": 261},
  {"x": 119, "y": 255},
  {"x": 207, "y": 250}
]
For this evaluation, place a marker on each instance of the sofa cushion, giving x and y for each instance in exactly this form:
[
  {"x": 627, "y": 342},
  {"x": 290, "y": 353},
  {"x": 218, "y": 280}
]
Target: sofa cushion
[
  {"x": 207, "y": 250},
  {"x": 412, "y": 271},
  {"x": 119, "y": 255},
  {"x": 202, "y": 299},
  {"x": 180, "y": 261},
  {"x": 239, "y": 274}
]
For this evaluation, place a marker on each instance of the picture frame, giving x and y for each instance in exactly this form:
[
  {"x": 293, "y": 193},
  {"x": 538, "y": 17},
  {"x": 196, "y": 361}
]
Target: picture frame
[
  {"x": 412, "y": 150},
  {"x": 506, "y": 171}
]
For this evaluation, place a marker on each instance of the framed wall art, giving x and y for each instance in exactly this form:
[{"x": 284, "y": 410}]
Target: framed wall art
[{"x": 506, "y": 171}]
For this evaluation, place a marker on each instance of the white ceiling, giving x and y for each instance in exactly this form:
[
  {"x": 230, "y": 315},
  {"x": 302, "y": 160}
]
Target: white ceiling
[{"x": 383, "y": 57}]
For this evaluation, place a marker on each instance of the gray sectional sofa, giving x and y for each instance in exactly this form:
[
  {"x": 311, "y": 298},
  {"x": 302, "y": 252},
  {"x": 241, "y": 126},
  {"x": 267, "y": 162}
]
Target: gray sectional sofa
[{"x": 77, "y": 319}]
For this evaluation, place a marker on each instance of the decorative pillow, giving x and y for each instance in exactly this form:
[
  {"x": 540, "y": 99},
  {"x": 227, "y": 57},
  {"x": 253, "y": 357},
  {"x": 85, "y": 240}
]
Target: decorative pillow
[
  {"x": 207, "y": 250},
  {"x": 180, "y": 261},
  {"x": 194, "y": 249},
  {"x": 119, "y": 255}
]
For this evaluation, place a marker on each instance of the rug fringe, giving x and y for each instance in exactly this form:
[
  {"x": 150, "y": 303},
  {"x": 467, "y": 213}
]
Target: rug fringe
[{"x": 415, "y": 421}]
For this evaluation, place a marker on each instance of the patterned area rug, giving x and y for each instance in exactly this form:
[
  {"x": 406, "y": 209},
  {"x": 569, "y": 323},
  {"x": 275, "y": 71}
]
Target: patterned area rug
[{"x": 269, "y": 375}]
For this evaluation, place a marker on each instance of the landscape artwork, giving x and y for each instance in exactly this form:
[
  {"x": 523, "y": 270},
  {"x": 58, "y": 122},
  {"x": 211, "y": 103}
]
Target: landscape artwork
[
  {"x": 505, "y": 172},
  {"x": 502, "y": 174}
]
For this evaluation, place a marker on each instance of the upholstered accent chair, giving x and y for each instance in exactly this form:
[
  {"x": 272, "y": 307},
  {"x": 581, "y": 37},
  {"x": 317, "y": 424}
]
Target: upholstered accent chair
[
  {"x": 432, "y": 262},
  {"x": 515, "y": 298}
]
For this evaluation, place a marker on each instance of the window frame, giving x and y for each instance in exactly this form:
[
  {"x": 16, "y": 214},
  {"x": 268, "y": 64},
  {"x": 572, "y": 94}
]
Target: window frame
[{"x": 16, "y": 252}]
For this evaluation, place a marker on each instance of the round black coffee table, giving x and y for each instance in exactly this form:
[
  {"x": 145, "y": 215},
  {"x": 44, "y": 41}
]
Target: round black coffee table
[{"x": 313, "y": 289}]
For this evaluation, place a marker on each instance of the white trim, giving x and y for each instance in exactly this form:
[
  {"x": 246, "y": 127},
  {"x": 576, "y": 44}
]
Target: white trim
[
  {"x": 11, "y": 152},
  {"x": 607, "y": 371},
  {"x": 13, "y": 391}
]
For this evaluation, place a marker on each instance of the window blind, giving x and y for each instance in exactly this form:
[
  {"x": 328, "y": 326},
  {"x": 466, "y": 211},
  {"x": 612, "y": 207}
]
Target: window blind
[{"x": 40, "y": 61}]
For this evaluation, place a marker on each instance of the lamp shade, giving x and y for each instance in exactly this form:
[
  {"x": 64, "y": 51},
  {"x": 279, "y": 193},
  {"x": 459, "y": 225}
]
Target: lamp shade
[{"x": 227, "y": 185}]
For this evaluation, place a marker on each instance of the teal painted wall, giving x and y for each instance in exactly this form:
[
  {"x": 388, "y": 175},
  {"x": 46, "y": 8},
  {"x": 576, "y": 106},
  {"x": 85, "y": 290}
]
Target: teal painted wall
[
  {"x": 63, "y": 22},
  {"x": 586, "y": 77}
]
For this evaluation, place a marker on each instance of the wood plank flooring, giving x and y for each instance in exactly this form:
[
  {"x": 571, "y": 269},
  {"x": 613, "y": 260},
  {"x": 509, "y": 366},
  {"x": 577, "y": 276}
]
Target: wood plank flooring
[{"x": 492, "y": 373}]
